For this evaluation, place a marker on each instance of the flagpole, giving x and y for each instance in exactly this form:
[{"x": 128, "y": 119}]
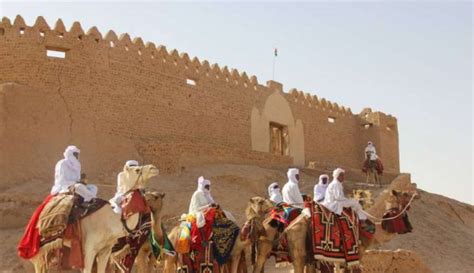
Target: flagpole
[{"x": 275, "y": 54}]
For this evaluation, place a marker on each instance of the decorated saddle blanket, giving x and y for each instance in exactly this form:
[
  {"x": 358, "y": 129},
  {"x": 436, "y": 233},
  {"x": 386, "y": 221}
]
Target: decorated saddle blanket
[
  {"x": 281, "y": 252},
  {"x": 400, "y": 225},
  {"x": 224, "y": 235},
  {"x": 161, "y": 246},
  {"x": 334, "y": 238},
  {"x": 53, "y": 219},
  {"x": 133, "y": 203},
  {"x": 282, "y": 215},
  {"x": 377, "y": 164},
  {"x": 199, "y": 261},
  {"x": 132, "y": 243}
]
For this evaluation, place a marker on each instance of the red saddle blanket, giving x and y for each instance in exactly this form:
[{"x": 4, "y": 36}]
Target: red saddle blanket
[
  {"x": 198, "y": 261},
  {"x": 400, "y": 224},
  {"x": 369, "y": 164},
  {"x": 133, "y": 203},
  {"x": 334, "y": 238}
]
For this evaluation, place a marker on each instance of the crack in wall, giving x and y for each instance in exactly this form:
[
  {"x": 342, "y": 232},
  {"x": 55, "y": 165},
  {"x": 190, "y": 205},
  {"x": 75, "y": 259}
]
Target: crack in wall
[{"x": 61, "y": 95}]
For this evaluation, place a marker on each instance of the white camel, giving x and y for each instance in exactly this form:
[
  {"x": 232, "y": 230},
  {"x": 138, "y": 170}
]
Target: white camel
[{"x": 101, "y": 229}]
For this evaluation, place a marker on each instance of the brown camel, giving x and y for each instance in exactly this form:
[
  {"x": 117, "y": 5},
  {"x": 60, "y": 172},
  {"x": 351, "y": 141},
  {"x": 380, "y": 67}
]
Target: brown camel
[{"x": 100, "y": 230}]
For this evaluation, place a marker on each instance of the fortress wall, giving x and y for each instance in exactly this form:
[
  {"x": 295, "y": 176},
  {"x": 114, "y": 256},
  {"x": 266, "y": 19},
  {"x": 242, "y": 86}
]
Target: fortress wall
[{"x": 118, "y": 98}]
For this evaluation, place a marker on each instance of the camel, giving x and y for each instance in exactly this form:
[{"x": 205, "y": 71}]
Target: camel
[
  {"x": 101, "y": 229},
  {"x": 297, "y": 231},
  {"x": 256, "y": 210}
]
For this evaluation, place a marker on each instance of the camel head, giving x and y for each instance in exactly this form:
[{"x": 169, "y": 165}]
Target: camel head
[
  {"x": 399, "y": 199},
  {"x": 140, "y": 175},
  {"x": 258, "y": 207},
  {"x": 154, "y": 200}
]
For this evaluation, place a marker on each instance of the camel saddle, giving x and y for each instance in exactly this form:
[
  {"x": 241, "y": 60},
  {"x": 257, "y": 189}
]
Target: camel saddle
[
  {"x": 133, "y": 203},
  {"x": 53, "y": 219}
]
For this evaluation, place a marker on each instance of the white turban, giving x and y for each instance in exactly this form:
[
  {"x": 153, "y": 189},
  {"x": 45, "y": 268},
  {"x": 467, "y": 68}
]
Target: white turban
[
  {"x": 131, "y": 163},
  {"x": 274, "y": 193},
  {"x": 71, "y": 160},
  {"x": 292, "y": 172},
  {"x": 202, "y": 183},
  {"x": 336, "y": 173},
  {"x": 320, "y": 188}
]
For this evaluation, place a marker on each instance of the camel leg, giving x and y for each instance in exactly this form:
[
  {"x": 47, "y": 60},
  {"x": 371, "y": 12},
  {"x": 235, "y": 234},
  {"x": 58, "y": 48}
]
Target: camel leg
[
  {"x": 89, "y": 259},
  {"x": 141, "y": 261},
  {"x": 170, "y": 264},
  {"x": 264, "y": 248},
  {"x": 102, "y": 260}
]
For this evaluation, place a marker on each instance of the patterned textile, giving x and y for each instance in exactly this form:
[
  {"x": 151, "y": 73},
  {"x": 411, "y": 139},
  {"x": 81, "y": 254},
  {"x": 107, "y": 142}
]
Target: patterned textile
[
  {"x": 400, "y": 225},
  {"x": 135, "y": 240},
  {"x": 201, "y": 236},
  {"x": 198, "y": 261},
  {"x": 54, "y": 216},
  {"x": 133, "y": 203},
  {"x": 224, "y": 235},
  {"x": 377, "y": 164},
  {"x": 282, "y": 215},
  {"x": 281, "y": 252},
  {"x": 334, "y": 238}
]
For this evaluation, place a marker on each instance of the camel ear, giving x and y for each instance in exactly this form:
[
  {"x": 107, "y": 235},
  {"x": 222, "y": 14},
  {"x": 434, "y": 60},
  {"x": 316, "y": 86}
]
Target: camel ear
[{"x": 395, "y": 193}]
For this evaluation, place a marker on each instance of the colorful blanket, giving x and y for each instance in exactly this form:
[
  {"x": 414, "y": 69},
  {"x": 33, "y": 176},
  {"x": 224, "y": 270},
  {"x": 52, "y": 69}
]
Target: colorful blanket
[
  {"x": 224, "y": 235},
  {"x": 282, "y": 215},
  {"x": 368, "y": 164},
  {"x": 335, "y": 238},
  {"x": 400, "y": 225},
  {"x": 198, "y": 261},
  {"x": 163, "y": 246}
]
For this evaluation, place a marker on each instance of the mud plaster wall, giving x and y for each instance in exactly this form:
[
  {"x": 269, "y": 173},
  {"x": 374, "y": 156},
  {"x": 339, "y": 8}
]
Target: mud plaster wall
[{"x": 119, "y": 99}]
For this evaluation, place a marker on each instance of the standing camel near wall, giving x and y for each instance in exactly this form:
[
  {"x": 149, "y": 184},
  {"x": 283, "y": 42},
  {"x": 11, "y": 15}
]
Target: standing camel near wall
[{"x": 101, "y": 229}]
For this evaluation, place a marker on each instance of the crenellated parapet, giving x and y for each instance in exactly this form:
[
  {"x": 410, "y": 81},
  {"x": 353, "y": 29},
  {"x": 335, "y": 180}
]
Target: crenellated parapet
[
  {"x": 315, "y": 102},
  {"x": 136, "y": 50}
]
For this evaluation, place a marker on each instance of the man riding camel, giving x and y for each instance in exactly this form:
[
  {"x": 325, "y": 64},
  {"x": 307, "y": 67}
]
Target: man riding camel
[
  {"x": 335, "y": 200},
  {"x": 274, "y": 193},
  {"x": 291, "y": 191},
  {"x": 68, "y": 176},
  {"x": 320, "y": 188},
  {"x": 122, "y": 188},
  {"x": 370, "y": 151}
]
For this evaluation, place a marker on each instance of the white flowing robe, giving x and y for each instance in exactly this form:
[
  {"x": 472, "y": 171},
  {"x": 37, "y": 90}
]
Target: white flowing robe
[
  {"x": 370, "y": 149},
  {"x": 320, "y": 189},
  {"x": 274, "y": 193},
  {"x": 335, "y": 200},
  {"x": 68, "y": 172},
  {"x": 291, "y": 191}
]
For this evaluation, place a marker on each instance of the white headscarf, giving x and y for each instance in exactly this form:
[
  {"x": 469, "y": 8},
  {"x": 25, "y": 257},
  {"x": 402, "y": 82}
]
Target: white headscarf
[
  {"x": 70, "y": 159},
  {"x": 292, "y": 172},
  {"x": 320, "y": 188},
  {"x": 336, "y": 173},
  {"x": 202, "y": 183},
  {"x": 274, "y": 193},
  {"x": 131, "y": 163}
]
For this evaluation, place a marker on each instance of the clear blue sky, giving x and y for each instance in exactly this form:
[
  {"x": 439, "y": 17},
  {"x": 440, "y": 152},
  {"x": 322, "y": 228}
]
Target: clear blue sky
[{"x": 410, "y": 59}]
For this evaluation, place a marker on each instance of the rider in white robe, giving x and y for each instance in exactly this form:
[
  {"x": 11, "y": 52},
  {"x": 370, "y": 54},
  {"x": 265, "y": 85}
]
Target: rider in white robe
[
  {"x": 67, "y": 175},
  {"x": 291, "y": 191},
  {"x": 122, "y": 187},
  {"x": 335, "y": 200},
  {"x": 274, "y": 193},
  {"x": 370, "y": 151},
  {"x": 320, "y": 188}
]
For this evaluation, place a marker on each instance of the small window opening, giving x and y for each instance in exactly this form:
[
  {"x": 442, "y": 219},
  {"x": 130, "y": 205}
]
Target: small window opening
[
  {"x": 191, "y": 82},
  {"x": 279, "y": 139},
  {"x": 56, "y": 53},
  {"x": 389, "y": 128},
  {"x": 79, "y": 37},
  {"x": 367, "y": 126},
  {"x": 111, "y": 44},
  {"x": 126, "y": 48},
  {"x": 42, "y": 33},
  {"x": 331, "y": 119},
  {"x": 97, "y": 40},
  {"x": 22, "y": 31},
  {"x": 61, "y": 35}
]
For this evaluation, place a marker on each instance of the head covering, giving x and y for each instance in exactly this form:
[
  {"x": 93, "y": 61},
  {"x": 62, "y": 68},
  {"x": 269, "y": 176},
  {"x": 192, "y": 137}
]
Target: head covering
[
  {"x": 70, "y": 159},
  {"x": 320, "y": 188},
  {"x": 370, "y": 143},
  {"x": 274, "y": 193},
  {"x": 336, "y": 173},
  {"x": 202, "y": 183},
  {"x": 292, "y": 172},
  {"x": 131, "y": 163}
]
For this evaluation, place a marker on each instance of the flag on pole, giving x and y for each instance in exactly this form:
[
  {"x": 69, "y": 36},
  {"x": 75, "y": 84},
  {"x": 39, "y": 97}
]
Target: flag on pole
[{"x": 276, "y": 51}]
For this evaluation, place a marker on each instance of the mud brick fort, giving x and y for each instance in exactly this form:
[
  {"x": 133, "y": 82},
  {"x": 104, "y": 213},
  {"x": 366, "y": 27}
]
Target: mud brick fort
[{"x": 118, "y": 98}]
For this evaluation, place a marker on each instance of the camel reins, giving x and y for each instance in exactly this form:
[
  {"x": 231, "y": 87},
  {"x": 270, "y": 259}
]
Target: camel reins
[{"x": 380, "y": 220}]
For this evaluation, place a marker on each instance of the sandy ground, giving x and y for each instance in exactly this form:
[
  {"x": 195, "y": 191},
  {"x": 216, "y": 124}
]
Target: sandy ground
[{"x": 441, "y": 241}]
